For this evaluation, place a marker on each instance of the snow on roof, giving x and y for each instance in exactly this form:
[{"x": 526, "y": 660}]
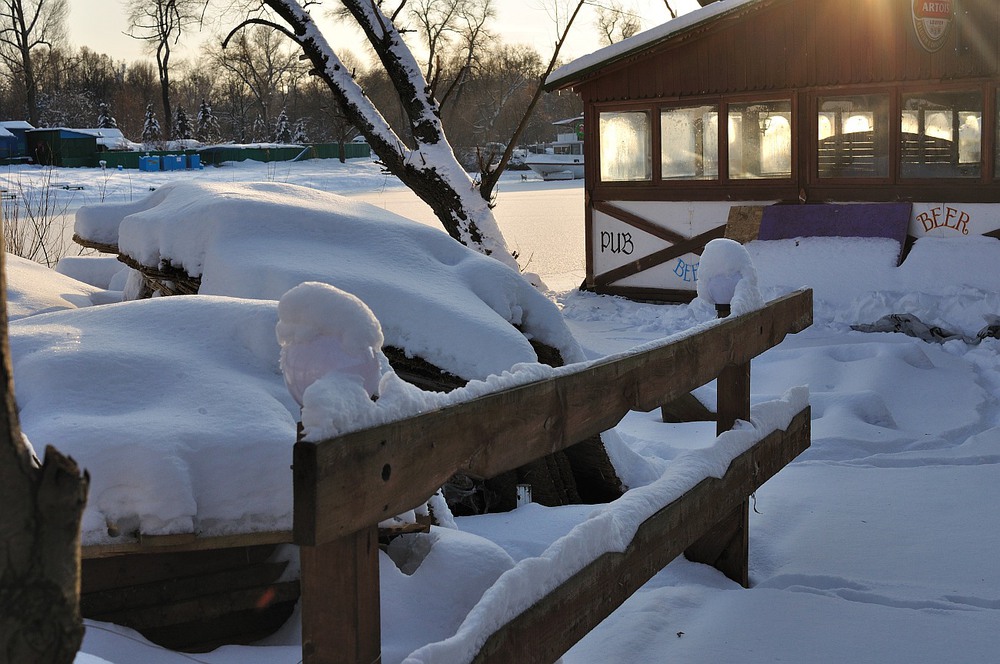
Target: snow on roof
[
  {"x": 113, "y": 139},
  {"x": 572, "y": 72},
  {"x": 16, "y": 124},
  {"x": 434, "y": 297}
]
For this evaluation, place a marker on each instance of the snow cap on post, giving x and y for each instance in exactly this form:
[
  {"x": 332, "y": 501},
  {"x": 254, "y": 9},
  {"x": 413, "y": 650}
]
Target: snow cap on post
[
  {"x": 324, "y": 330},
  {"x": 727, "y": 276}
]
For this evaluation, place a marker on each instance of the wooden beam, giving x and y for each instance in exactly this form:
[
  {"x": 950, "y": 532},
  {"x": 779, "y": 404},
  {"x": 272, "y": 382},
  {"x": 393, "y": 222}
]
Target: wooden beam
[
  {"x": 726, "y": 546},
  {"x": 636, "y": 221},
  {"x": 181, "y": 543},
  {"x": 548, "y": 629},
  {"x": 344, "y": 484},
  {"x": 341, "y": 621},
  {"x": 693, "y": 245}
]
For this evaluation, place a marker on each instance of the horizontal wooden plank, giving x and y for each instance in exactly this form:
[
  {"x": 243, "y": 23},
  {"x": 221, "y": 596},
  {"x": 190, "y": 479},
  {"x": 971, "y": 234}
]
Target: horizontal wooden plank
[
  {"x": 206, "y": 607},
  {"x": 344, "y": 484},
  {"x": 134, "y": 570},
  {"x": 549, "y": 628},
  {"x": 183, "y": 542},
  {"x": 167, "y": 591}
]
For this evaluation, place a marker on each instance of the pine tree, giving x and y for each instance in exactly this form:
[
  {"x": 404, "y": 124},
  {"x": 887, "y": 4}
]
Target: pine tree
[
  {"x": 150, "y": 127},
  {"x": 259, "y": 131},
  {"x": 104, "y": 118},
  {"x": 282, "y": 129},
  {"x": 207, "y": 130},
  {"x": 181, "y": 125},
  {"x": 301, "y": 136}
]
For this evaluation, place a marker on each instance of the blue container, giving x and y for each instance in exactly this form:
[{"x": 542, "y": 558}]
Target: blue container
[
  {"x": 173, "y": 162},
  {"x": 194, "y": 161},
  {"x": 148, "y": 163}
]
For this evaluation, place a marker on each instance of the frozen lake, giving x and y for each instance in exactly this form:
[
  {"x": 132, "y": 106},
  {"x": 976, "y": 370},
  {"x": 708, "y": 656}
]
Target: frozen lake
[{"x": 542, "y": 221}]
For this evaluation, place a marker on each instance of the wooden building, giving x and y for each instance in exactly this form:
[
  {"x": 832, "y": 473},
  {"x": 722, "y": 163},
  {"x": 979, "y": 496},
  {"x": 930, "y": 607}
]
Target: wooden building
[{"x": 823, "y": 101}]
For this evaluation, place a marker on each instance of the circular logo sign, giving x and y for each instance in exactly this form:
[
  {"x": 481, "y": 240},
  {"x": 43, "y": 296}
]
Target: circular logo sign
[{"x": 931, "y": 21}]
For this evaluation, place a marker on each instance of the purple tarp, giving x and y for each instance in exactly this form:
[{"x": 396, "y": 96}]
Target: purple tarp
[{"x": 888, "y": 220}]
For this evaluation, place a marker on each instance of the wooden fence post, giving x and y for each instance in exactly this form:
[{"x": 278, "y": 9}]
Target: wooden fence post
[
  {"x": 726, "y": 547},
  {"x": 341, "y": 622}
]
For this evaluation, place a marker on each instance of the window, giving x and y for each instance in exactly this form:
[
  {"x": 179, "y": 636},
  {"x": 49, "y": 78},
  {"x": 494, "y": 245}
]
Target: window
[
  {"x": 689, "y": 143},
  {"x": 626, "y": 151},
  {"x": 941, "y": 134},
  {"x": 760, "y": 140},
  {"x": 853, "y": 137}
]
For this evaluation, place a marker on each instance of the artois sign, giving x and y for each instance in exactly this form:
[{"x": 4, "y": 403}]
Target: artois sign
[{"x": 931, "y": 20}]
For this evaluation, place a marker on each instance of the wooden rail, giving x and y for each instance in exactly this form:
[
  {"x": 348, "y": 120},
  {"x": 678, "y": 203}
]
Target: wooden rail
[{"x": 345, "y": 486}]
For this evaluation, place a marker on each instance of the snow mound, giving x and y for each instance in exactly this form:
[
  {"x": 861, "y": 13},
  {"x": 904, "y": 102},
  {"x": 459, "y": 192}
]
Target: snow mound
[
  {"x": 35, "y": 289},
  {"x": 176, "y": 406},
  {"x": 434, "y": 298}
]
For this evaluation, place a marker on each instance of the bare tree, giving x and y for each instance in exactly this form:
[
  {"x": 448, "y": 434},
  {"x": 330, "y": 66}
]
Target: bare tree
[
  {"x": 440, "y": 23},
  {"x": 42, "y": 503},
  {"x": 259, "y": 61},
  {"x": 429, "y": 167},
  {"x": 160, "y": 23},
  {"x": 615, "y": 23},
  {"x": 563, "y": 15},
  {"x": 25, "y": 27},
  {"x": 673, "y": 14}
]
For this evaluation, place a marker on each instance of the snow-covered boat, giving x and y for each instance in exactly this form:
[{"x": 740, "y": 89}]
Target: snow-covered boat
[{"x": 563, "y": 160}]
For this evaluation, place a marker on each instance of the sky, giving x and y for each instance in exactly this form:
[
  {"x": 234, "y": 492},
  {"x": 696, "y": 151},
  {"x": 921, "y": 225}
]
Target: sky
[{"x": 100, "y": 25}]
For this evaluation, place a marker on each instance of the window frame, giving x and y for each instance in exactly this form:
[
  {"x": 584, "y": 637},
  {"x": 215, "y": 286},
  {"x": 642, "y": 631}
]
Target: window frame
[{"x": 654, "y": 108}]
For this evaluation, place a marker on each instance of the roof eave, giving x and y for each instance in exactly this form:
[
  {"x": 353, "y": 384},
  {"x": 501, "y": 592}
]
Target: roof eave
[{"x": 576, "y": 77}]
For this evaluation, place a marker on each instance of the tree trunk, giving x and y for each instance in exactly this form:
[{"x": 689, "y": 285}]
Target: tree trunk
[
  {"x": 40, "y": 512},
  {"x": 430, "y": 170},
  {"x": 162, "y": 64}
]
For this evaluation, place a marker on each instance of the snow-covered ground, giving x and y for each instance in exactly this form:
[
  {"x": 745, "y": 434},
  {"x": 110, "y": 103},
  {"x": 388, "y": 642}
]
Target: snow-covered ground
[{"x": 877, "y": 545}]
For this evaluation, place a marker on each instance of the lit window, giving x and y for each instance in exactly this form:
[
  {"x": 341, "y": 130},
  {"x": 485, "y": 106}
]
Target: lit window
[
  {"x": 689, "y": 143},
  {"x": 941, "y": 135},
  {"x": 626, "y": 153},
  {"x": 853, "y": 137},
  {"x": 760, "y": 140}
]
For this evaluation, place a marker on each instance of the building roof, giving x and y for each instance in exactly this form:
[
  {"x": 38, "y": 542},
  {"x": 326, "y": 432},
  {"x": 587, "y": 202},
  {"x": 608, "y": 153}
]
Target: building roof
[
  {"x": 572, "y": 73},
  {"x": 16, "y": 124}
]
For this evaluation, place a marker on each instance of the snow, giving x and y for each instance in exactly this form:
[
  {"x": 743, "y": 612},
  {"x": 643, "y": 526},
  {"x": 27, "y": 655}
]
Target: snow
[
  {"x": 727, "y": 276},
  {"x": 877, "y": 545},
  {"x": 433, "y": 297},
  {"x": 34, "y": 289},
  {"x": 322, "y": 329}
]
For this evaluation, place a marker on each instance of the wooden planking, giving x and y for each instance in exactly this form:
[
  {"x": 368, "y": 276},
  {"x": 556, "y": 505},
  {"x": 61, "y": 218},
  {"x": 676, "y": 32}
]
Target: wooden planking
[
  {"x": 549, "y": 628},
  {"x": 100, "y": 604},
  {"x": 344, "y": 484},
  {"x": 341, "y": 621},
  {"x": 183, "y": 542},
  {"x": 743, "y": 224},
  {"x": 786, "y": 44},
  {"x": 100, "y": 574},
  {"x": 205, "y": 607}
]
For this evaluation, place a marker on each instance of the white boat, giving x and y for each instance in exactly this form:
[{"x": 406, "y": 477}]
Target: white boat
[{"x": 563, "y": 160}]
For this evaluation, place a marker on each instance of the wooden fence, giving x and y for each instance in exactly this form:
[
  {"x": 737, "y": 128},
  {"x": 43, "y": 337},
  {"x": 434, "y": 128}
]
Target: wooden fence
[{"x": 345, "y": 486}]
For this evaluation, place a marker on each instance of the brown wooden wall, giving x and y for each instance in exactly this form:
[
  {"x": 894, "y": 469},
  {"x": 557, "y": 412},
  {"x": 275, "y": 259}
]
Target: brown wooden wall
[{"x": 782, "y": 44}]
